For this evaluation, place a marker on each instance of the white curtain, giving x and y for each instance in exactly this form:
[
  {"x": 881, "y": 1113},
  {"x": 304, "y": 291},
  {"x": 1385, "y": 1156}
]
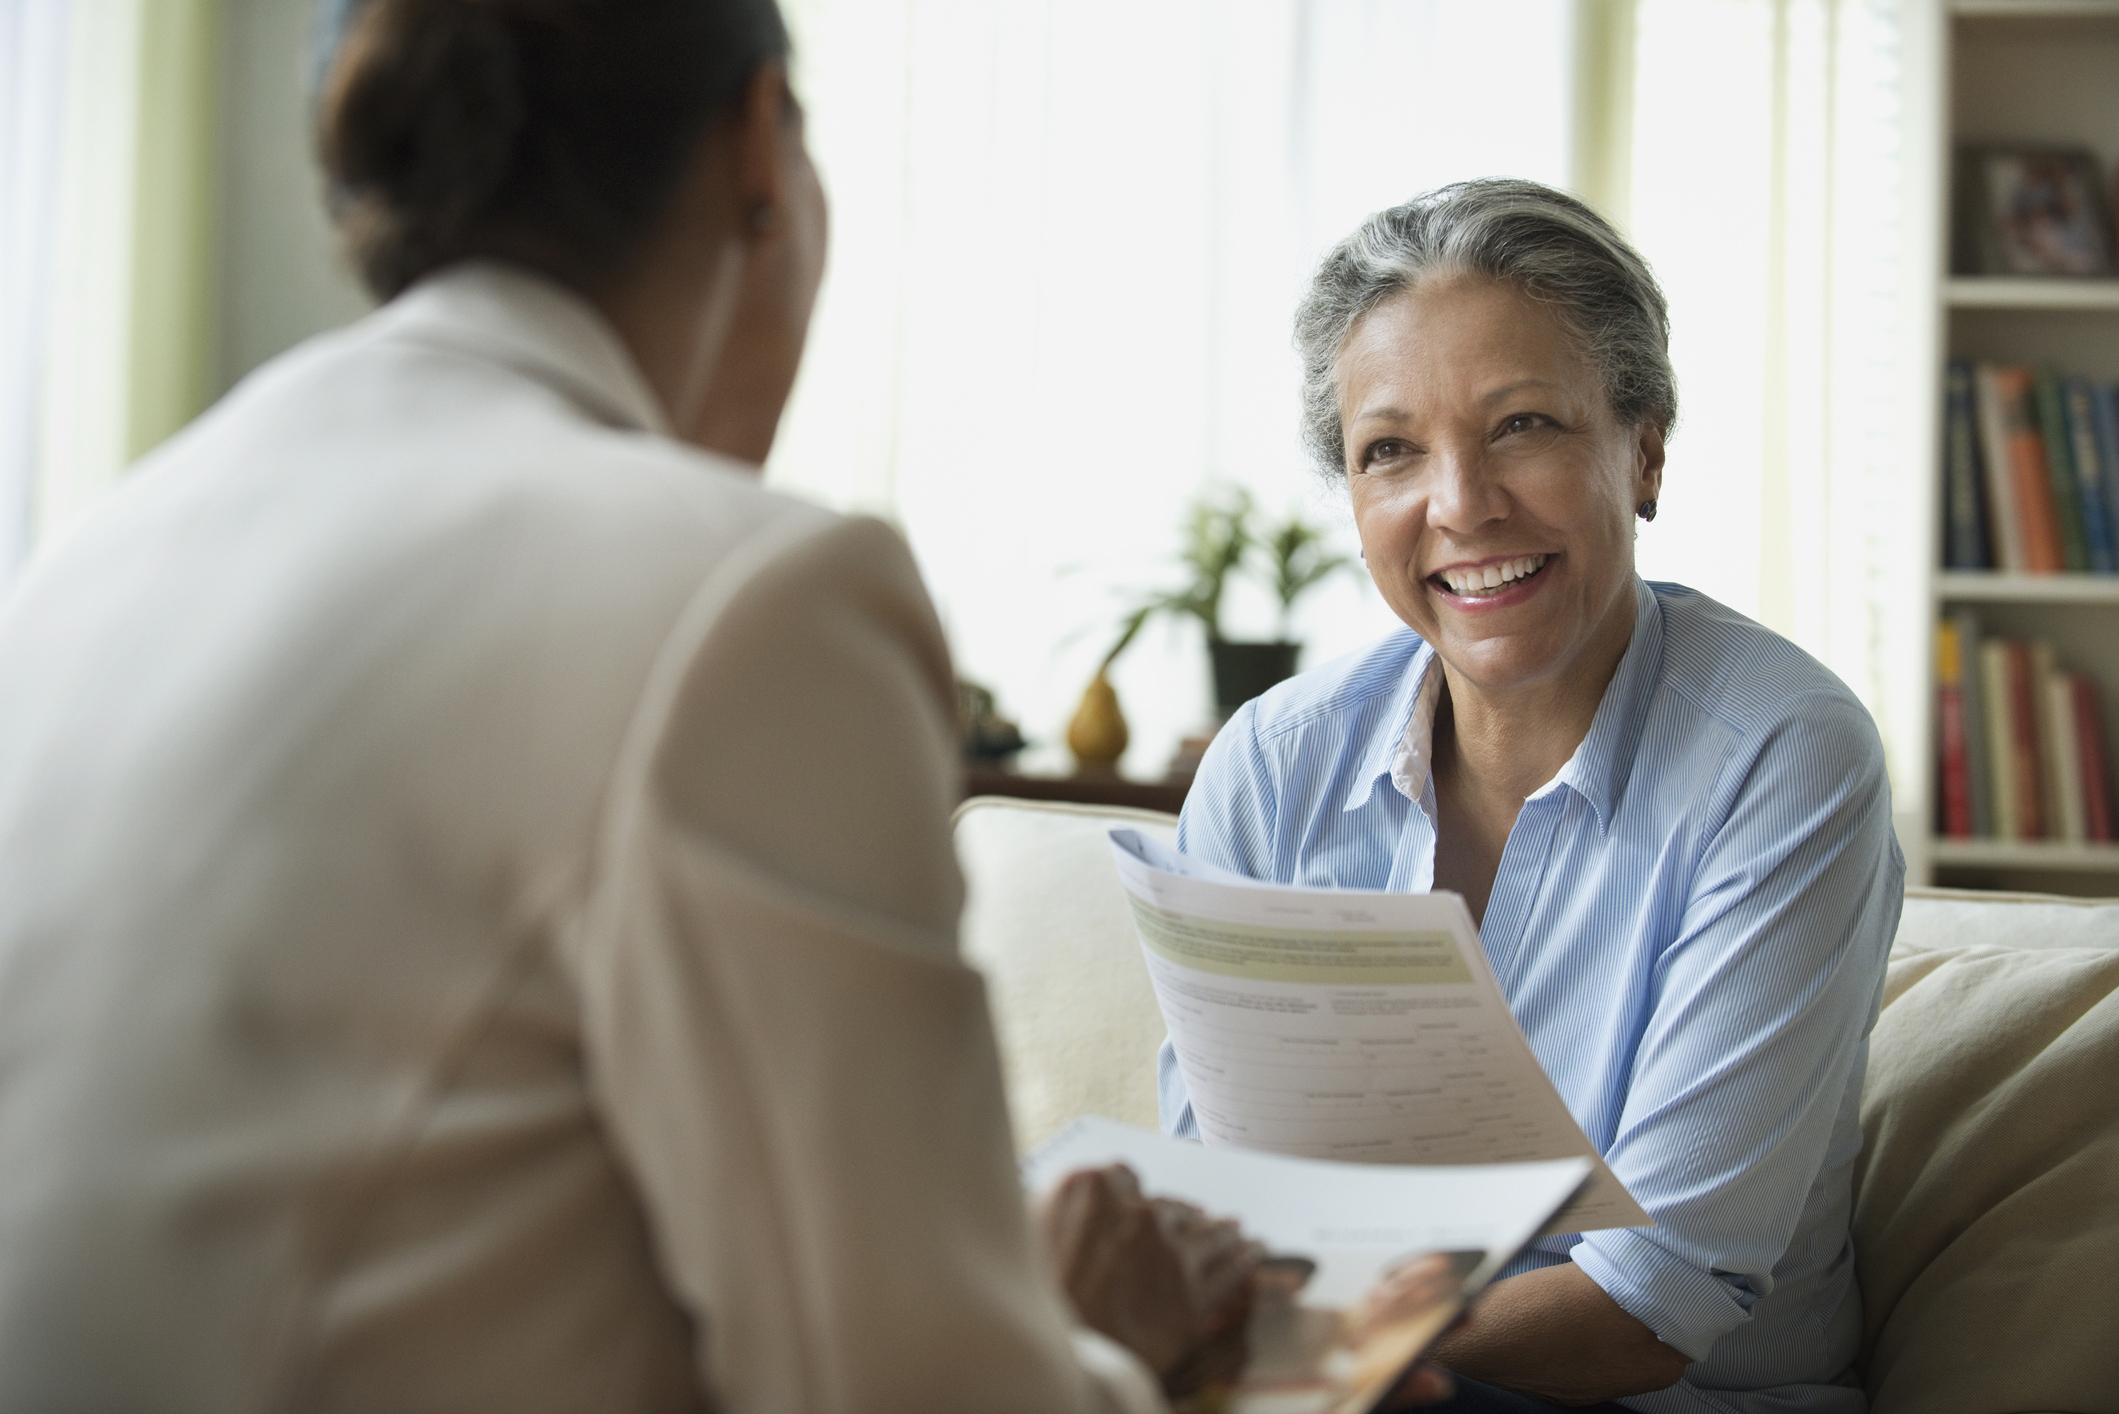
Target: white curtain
[
  {"x": 1769, "y": 188},
  {"x": 1068, "y": 238},
  {"x": 32, "y": 66},
  {"x": 106, "y": 222}
]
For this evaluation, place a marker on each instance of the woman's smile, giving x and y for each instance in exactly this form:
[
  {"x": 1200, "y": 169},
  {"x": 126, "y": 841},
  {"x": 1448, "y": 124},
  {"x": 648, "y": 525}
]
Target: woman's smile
[{"x": 1490, "y": 584}]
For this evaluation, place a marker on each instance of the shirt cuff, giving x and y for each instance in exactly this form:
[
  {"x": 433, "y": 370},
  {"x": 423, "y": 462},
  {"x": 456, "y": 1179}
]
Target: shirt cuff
[
  {"x": 1172, "y": 1103},
  {"x": 1687, "y": 1308},
  {"x": 1123, "y": 1385}
]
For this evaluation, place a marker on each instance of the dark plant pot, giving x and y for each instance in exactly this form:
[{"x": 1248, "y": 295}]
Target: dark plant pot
[{"x": 1243, "y": 670}]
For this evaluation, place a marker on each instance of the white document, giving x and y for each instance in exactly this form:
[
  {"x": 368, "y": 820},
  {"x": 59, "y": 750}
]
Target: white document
[
  {"x": 1348, "y": 1024},
  {"x": 1355, "y": 1221}
]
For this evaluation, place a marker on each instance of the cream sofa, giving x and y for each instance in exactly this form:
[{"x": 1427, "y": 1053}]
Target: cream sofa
[{"x": 1987, "y": 1212}]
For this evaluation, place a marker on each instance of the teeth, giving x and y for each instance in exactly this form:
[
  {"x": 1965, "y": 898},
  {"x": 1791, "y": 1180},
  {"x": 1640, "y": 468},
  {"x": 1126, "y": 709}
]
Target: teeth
[{"x": 1491, "y": 577}]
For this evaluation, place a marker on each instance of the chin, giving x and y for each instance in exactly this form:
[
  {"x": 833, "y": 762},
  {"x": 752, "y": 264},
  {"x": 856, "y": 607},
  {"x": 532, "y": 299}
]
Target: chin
[{"x": 1499, "y": 664}]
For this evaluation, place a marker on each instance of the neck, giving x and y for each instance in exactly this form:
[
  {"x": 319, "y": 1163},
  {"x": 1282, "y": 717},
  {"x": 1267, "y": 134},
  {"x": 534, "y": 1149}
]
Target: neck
[
  {"x": 1502, "y": 744},
  {"x": 674, "y": 316}
]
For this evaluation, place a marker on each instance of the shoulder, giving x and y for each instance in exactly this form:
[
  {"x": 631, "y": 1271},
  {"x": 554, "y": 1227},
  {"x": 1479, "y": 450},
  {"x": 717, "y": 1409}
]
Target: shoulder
[
  {"x": 1330, "y": 700},
  {"x": 486, "y": 456},
  {"x": 1759, "y": 747},
  {"x": 1298, "y": 752},
  {"x": 1756, "y": 686}
]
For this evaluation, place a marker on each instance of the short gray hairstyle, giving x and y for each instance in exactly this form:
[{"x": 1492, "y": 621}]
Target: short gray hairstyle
[{"x": 1520, "y": 233}]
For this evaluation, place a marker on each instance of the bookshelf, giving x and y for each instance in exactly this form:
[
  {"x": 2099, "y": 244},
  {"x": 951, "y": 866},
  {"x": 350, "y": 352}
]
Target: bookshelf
[
  {"x": 2023, "y": 292},
  {"x": 2029, "y": 71}
]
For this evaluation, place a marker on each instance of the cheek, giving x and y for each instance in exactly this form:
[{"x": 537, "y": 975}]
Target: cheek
[{"x": 1388, "y": 515}]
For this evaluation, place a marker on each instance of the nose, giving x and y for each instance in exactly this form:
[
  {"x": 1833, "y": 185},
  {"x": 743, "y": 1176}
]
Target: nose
[{"x": 1463, "y": 495}]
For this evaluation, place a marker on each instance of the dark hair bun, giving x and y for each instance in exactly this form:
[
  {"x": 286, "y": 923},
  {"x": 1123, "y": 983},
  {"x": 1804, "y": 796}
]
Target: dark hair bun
[{"x": 546, "y": 131}]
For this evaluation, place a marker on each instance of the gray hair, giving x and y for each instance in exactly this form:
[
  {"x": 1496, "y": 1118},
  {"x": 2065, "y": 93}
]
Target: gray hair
[{"x": 1520, "y": 233}]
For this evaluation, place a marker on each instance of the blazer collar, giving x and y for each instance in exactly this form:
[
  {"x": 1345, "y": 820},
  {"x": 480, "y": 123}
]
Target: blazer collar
[{"x": 513, "y": 316}]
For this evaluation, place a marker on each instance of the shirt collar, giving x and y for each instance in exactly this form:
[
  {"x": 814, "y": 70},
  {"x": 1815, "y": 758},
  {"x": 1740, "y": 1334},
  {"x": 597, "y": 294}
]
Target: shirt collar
[
  {"x": 516, "y": 317},
  {"x": 1600, "y": 766},
  {"x": 1409, "y": 713}
]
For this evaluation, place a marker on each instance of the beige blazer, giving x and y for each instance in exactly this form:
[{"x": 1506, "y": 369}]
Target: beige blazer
[{"x": 478, "y": 923}]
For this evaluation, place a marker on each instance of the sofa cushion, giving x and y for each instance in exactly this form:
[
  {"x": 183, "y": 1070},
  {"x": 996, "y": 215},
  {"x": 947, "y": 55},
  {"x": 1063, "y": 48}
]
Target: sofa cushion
[
  {"x": 1987, "y": 1199},
  {"x": 1962, "y": 918},
  {"x": 1047, "y": 921}
]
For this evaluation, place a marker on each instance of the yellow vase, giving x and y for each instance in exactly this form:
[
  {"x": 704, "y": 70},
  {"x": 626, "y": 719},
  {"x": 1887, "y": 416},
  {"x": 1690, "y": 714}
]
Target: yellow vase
[{"x": 1097, "y": 735}]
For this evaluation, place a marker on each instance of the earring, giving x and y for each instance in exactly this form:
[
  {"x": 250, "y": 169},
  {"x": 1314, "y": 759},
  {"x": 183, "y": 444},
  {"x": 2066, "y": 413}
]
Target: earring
[
  {"x": 762, "y": 219},
  {"x": 1646, "y": 510}
]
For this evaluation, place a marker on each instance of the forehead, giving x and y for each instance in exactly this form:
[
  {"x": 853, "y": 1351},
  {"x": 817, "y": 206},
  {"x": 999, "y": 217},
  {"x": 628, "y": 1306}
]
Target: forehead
[{"x": 1454, "y": 336}]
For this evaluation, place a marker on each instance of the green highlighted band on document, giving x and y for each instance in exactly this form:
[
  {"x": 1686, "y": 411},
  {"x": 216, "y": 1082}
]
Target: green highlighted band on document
[
  {"x": 1348, "y": 1025},
  {"x": 1299, "y": 954}
]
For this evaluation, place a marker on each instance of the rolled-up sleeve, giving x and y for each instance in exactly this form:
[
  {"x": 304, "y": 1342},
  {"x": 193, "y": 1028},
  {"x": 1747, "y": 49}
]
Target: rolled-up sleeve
[{"x": 1756, "y": 1029}]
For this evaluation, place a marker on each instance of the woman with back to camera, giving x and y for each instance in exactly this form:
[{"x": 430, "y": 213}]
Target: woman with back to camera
[
  {"x": 479, "y": 914},
  {"x": 1672, "y": 825}
]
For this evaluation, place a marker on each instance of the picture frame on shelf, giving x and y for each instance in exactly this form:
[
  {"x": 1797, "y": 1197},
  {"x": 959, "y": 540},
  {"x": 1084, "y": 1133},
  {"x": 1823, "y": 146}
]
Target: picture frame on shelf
[{"x": 2026, "y": 209}]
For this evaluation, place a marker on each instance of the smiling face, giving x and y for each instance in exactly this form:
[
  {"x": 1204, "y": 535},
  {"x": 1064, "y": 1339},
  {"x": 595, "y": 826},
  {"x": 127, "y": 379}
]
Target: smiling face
[{"x": 1493, "y": 486}]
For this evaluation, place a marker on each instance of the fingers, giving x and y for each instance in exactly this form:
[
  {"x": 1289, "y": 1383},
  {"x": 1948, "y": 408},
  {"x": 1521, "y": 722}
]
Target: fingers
[{"x": 1158, "y": 1275}]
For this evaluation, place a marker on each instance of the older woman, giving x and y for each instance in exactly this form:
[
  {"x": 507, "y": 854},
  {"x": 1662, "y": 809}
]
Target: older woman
[
  {"x": 478, "y": 926},
  {"x": 1672, "y": 824}
]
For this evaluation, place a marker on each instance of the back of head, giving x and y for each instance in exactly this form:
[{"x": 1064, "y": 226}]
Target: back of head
[
  {"x": 1543, "y": 242},
  {"x": 551, "y": 132}
]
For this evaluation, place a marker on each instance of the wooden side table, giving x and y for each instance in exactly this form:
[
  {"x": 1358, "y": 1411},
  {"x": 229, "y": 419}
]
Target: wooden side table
[{"x": 1166, "y": 796}]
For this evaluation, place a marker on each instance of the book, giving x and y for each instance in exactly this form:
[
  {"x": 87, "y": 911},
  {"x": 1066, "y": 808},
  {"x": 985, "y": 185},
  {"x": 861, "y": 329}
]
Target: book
[
  {"x": 2029, "y": 479},
  {"x": 1955, "y": 815},
  {"x": 2058, "y": 749},
  {"x": 2104, "y": 406},
  {"x": 1995, "y": 705},
  {"x": 2096, "y": 762},
  {"x": 1979, "y": 779},
  {"x": 2060, "y": 470},
  {"x": 2078, "y": 401},
  {"x": 2005, "y": 546},
  {"x": 2027, "y": 763},
  {"x": 1366, "y": 1264},
  {"x": 1964, "y": 518}
]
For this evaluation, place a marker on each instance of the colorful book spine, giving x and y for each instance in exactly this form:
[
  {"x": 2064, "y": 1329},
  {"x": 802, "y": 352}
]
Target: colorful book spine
[
  {"x": 2029, "y": 477},
  {"x": 2062, "y": 755},
  {"x": 2078, "y": 400},
  {"x": 2060, "y": 470},
  {"x": 2096, "y": 762},
  {"x": 2026, "y": 772},
  {"x": 2104, "y": 405},
  {"x": 2004, "y": 522},
  {"x": 1964, "y": 519},
  {"x": 1979, "y": 777},
  {"x": 1955, "y": 816},
  {"x": 2001, "y": 738}
]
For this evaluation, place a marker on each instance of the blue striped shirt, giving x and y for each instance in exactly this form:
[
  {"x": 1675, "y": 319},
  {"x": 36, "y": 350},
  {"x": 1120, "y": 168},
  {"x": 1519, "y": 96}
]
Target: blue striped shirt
[{"x": 1690, "y": 925}]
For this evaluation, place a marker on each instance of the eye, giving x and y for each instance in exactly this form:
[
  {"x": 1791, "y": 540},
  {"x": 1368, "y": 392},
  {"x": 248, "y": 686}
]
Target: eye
[
  {"x": 1383, "y": 451},
  {"x": 1527, "y": 422}
]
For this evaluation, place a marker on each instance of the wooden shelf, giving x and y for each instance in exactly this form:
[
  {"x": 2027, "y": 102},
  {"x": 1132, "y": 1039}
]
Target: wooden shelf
[
  {"x": 1989, "y": 587},
  {"x": 2024, "y": 854},
  {"x": 2036, "y": 9},
  {"x": 1167, "y": 795},
  {"x": 2056, "y": 292}
]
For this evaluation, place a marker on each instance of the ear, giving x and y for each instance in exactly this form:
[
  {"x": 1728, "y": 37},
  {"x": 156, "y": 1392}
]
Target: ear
[
  {"x": 759, "y": 130},
  {"x": 1648, "y": 461}
]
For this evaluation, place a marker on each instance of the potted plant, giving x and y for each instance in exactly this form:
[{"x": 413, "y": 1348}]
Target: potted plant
[{"x": 1222, "y": 540}]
